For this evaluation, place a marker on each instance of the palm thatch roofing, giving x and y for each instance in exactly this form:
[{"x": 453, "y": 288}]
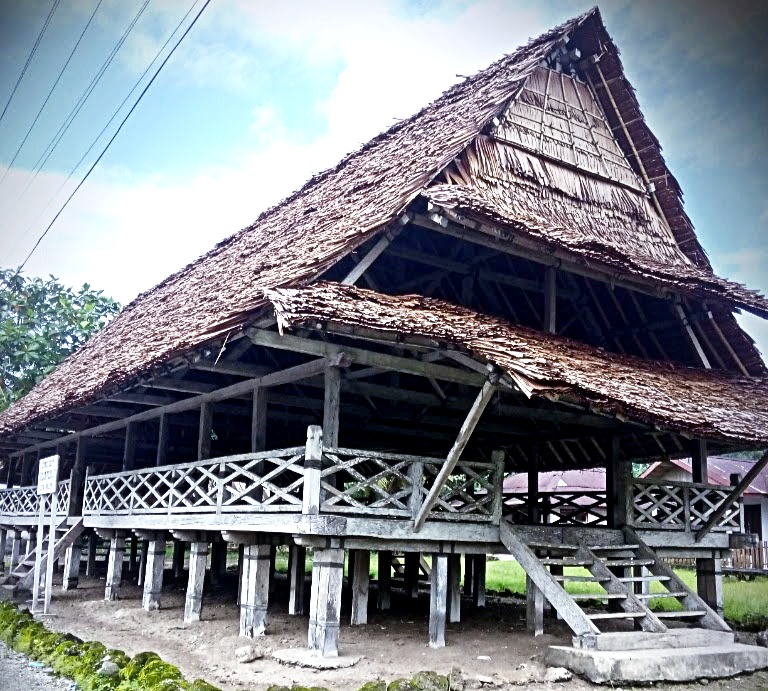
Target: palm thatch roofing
[
  {"x": 336, "y": 211},
  {"x": 696, "y": 402}
]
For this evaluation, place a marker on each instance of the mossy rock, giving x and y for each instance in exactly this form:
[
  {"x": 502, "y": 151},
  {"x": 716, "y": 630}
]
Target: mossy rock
[
  {"x": 170, "y": 685},
  {"x": 400, "y": 685},
  {"x": 200, "y": 685},
  {"x": 279, "y": 688},
  {"x": 429, "y": 681},
  {"x": 156, "y": 671},
  {"x": 132, "y": 670},
  {"x": 26, "y": 637},
  {"x": 377, "y": 685}
]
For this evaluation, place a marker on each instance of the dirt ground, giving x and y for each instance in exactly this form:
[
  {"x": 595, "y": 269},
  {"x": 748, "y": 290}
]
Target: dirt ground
[{"x": 489, "y": 646}]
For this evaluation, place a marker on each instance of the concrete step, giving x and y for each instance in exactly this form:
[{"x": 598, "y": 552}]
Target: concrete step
[
  {"x": 642, "y": 666},
  {"x": 645, "y": 640}
]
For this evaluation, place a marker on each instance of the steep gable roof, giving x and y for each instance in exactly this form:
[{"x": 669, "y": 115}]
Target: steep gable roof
[{"x": 295, "y": 241}]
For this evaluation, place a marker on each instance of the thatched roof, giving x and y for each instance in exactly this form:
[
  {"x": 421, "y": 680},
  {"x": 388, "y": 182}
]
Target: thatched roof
[
  {"x": 292, "y": 243},
  {"x": 696, "y": 402}
]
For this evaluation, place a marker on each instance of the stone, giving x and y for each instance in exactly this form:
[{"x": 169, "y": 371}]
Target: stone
[
  {"x": 484, "y": 679},
  {"x": 456, "y": 679},
  {"x": 429, "y": 681},
  {"x": 557, "y": 674},
  {"x": 762, "y": 638},
  {"x": 108, "y": 669},
  {"x": 248, "y": 653},
  {"x": 376, "y": 685},
  {"x": 301, "y": 657}
]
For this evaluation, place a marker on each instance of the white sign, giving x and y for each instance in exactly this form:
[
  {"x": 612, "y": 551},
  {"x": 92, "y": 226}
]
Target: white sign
[{"x": 48, "y": 475}]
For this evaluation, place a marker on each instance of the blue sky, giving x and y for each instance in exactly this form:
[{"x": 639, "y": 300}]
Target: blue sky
[{"x": 261, "y": 95}]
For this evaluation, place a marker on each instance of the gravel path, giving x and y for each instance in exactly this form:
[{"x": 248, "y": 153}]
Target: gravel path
[{"x": 17, "y": 673}]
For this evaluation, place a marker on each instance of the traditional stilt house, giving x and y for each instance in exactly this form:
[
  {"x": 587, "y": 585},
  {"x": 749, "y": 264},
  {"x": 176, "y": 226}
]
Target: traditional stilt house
[{"x": 504, "y": 282}]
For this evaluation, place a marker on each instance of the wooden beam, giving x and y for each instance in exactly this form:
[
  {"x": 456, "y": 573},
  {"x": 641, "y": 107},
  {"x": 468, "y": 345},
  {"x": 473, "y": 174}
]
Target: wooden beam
[
  {"x": 373, "y": 254},
  {"x": 550, "y": 300},
  {"x": 278, "y": 378},
  {"x": 691, "y": 335},
  {"x": 735, "y": 493},
  {"x": 699, "y": 464},
  {"x": 129, "y": 450},
  {"x": 331, "y": 406},
  {"x": 162, "y": 441},
  {"x": 259, "y": 420},
  {"x": 364, "y": 357},
  {"x": 204, "y": 431},
  {"x": 473, "y": 417}
]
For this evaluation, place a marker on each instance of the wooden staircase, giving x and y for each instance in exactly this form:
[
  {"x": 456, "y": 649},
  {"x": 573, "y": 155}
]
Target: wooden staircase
[
  {"x": 616, "y": 570},
  {"x": 22, "y": 576}
]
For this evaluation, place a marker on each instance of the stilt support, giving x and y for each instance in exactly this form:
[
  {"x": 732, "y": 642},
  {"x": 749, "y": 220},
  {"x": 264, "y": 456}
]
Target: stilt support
[
  {"x": 709, "y": 582},
  {"x": 72, "y": 566},
  {"x": 438, "y": 600},
  {"x": 114, "y": 568},
  {"x": 412, "y": 575},
  {"x": 385, "y": 581},
  {"x": 454, "y": 588},
  {"x": 178, "y": 558},
  {"x": 153, "y": 574},
  {"x": 296, "y": 579},
  {"x": 90, "y": 564},
  {"x": 142, "y": 563},
  {"x": 534, "y": 608},
  {"x": 325, "y": 602},
  {"x": 360, "y": 584},
  {"x": 15, "y": 549},
  {"x": 198, "y": 555},
  {"x": 254, "y": 590},
  {"x": 478, "y": 580}
]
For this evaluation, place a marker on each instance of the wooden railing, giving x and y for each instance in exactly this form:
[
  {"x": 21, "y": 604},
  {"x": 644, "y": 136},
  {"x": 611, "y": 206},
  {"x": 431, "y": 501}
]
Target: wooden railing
[
  {"x": 24, "y": 501},
  {"x": 266, "y": 481},
  {"x": 559, "y": 508},
  {"x": 748, "y": 559},
  {"x": 386, "y": 484},
  {"x": 681, "y": 506}
]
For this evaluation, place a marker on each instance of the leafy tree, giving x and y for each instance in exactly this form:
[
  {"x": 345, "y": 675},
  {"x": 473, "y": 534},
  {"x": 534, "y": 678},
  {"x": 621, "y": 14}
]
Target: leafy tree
[{"x": 41, "y": 322}]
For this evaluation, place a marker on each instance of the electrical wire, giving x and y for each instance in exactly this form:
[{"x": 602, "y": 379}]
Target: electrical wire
[
  {"x": 30, "y": 57},
  {"x": 50, "y": 93},
  {"x": 111, "y": 120},
  {"x": 114, "y": 136},
  {"x": 53, "y": 144}
]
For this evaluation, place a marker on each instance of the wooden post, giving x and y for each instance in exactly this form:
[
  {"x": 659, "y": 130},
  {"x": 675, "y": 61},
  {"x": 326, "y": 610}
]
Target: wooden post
[
  {"x": 313, "y": 459},
  {"x": 411, "y": 574},
  {"x": 325, "y": 602},
  {"x": 331, "y": 406},
  {"x": 534, "y": 516},
  {"x": 259, "y": 419},
  {"x": 198, "y": 555},
  {"x": 709, "y": 581},
  {"x": 478, "y": 587},
  {"x": 204, "y": 431},
  {"x": 360, "y": 586},
  {"x": 77, "y": 479},
  {"x": 699, "y": 461},
  {"x": 534, "y": 607},
  {"x": 296, "y": 579},
  {"x": 254, "y": 591},
  {"x": 218, "y": 563},
  {"x": 27, "y": 477},
  {"x": 612, "y": 473},
  {"x": 132, "y": 555},
  {"x": 469, "y": 567},
  {"x": 438, "y": 600},
  {"x": 454, "y": 588},
  {"x": 114, "y": 568},
  {"x": 129, "y": 450},
  {"x": 15, "y": 549},
  {"x": 178, "y": 558},
  {"x": 90, "y": 564},
  {"x": 272, "y": 563},
  {"x": 3, "y": 540},
  {"x": 385, "y": 580},
  {"x": 142, "y": 563},
  {"x": 72, "y": 565},
  {"x": 153, "y": 574},
  {"x": 162, "y": 440},
  {"x": 240, "y": 560}
]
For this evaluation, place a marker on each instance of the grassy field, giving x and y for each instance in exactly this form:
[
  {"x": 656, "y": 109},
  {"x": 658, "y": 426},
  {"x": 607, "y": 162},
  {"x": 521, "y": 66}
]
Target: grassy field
[{"x": 746, "y": 602}]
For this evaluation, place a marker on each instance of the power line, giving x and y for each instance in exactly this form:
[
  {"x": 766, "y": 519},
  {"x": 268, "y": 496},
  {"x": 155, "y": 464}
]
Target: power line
[
  {"x": 114, "y": 136},
  {"x": 48, "y": 151},
  {"x": 111, "y": 120},
  {"x": 50, "y": 93},
  {"x": 30, "y": 57}
]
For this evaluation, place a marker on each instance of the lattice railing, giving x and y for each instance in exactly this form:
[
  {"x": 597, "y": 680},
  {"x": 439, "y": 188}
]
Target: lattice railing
[
  {"x": 395, "y": 485},
  {"x": 559, "y": 508},
  {"x": 472, "y": 491},
  {"x": 24, "y": 501},
  {"x": 681, "y": 506},
  {"x": 265, "y": 481}
]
